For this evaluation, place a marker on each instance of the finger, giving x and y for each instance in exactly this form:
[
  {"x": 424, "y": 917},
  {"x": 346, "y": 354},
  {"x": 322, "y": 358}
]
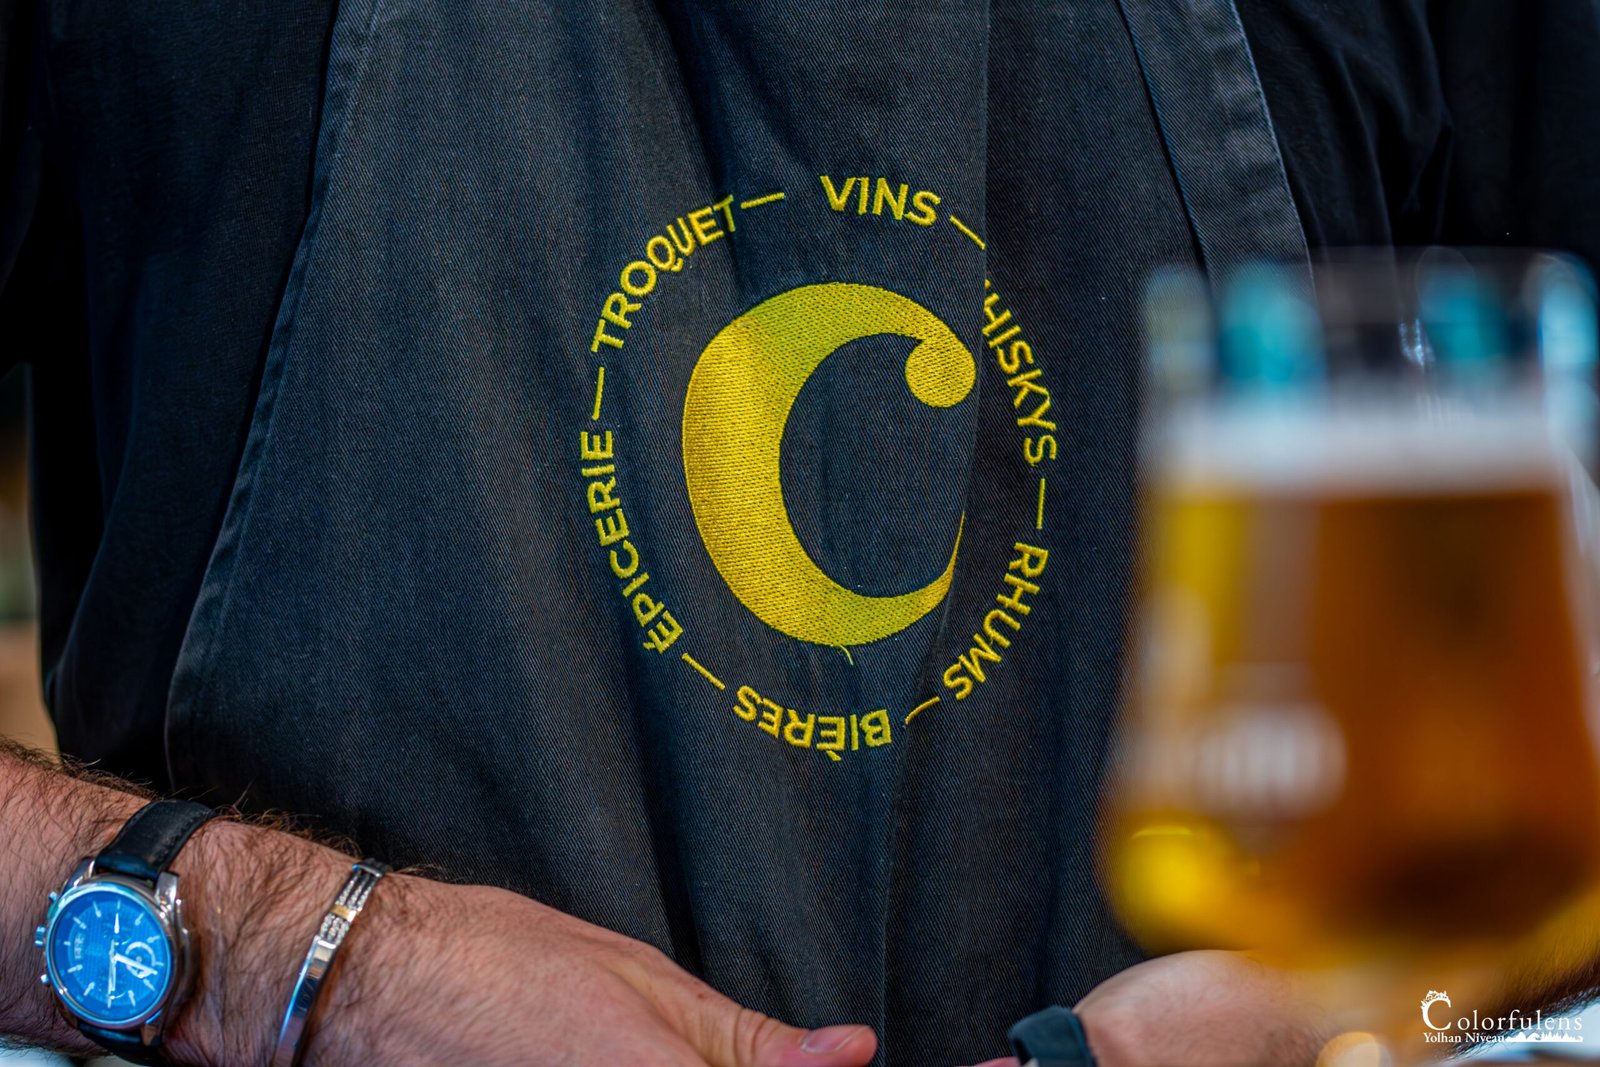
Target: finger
[
  {"x": 1004, "y": 1061},
  {"x": 847, "y": 1045},
  {"x": 729, "y": 1035},
  {"x": 745, "y": 1038}
]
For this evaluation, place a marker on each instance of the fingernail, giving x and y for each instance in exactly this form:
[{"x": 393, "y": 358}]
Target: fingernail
[{"x": 830, "y": 1038}]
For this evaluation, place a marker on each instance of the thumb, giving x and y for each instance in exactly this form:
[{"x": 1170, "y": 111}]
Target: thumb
[
  {"x": 751, "y": 1039},
  {"x": 728, "y": 1035}
]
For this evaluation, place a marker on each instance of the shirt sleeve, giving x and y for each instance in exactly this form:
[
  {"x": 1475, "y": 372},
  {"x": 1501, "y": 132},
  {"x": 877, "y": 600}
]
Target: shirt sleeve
[{"x": 1522, "y": 85}]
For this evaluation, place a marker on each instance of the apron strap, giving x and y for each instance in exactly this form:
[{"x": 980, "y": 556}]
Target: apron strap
[{"x": 1213, "y": 118}]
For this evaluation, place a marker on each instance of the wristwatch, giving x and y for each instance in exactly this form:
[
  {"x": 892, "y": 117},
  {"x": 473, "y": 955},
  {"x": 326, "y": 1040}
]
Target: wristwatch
[
  {"x": 1051, "y": 1038},
  {"x": 116, "y": 952}
]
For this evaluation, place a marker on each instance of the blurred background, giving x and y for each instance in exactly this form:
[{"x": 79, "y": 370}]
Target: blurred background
[{"x": 22, "y": 715}]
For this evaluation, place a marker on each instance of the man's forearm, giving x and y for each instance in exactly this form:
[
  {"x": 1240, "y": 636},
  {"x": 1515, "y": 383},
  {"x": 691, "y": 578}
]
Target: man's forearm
[
  {"x": 432, "y": 973},
  {"x": 252, "y": 898}
]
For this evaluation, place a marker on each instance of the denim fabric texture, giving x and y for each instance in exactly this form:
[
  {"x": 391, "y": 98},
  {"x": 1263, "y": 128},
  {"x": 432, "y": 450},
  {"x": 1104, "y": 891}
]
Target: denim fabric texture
[
  {"x": 409, "y": 628},
  {"x": 1208, "y": 98}
]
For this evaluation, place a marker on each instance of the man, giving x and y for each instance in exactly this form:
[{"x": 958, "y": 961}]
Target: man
[{"x": 561, "y": 445}]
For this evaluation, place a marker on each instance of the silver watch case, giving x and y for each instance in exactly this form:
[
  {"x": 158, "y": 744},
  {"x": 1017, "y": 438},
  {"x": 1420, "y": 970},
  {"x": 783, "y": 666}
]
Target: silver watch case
[{"x": 168, "y": 909}]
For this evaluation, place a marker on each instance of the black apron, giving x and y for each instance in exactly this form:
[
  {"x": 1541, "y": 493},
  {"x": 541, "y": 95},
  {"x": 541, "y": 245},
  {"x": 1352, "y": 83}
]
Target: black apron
[{"x": 692, "y": 478}]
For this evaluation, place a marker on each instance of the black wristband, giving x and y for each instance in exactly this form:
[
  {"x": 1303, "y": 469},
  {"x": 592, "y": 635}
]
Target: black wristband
[
  {"x": 152, "y": 839},
  {"x": 1053, "y": 1037},
  {"x": 125, "y": 1046}
]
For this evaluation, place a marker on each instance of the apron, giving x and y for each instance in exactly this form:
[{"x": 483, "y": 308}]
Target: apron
[{"x": 692, "y": 477}]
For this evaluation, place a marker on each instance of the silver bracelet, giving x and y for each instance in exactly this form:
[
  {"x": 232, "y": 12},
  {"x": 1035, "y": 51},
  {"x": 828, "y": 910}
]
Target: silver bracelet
[{"x": 364, "y": 877}]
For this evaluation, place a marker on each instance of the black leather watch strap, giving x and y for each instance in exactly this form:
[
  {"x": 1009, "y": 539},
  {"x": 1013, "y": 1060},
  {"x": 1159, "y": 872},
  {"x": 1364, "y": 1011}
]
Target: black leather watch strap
[
  {"x": 151, "y": 840},
  {"x": 1051, "y": 1038},
  {"x": 126, "y": 1046}
]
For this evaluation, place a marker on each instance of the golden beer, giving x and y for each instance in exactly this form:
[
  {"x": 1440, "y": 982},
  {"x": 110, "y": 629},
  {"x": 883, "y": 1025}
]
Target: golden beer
[{"x": 1357, "y": 719}]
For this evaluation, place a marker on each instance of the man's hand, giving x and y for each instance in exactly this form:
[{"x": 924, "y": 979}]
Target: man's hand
[
  {"x": 456, "y": 975},
  {"x": 430, "y": 974},
  {"x": 1204, "y": 1009},
  {"x": 1201, "y": 1009}
]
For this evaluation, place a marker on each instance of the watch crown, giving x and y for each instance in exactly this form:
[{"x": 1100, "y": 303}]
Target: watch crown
[
  {"x": 38, "y": 937},
  {"x": 44, "y": 979},
  {"x": 54, "y": 897}
]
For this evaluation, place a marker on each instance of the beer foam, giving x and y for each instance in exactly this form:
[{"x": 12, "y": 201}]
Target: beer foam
[{"x": 1355, "y": 450}]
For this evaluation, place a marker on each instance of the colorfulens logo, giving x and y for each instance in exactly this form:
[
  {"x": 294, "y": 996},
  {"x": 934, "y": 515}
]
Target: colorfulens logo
[{"x": 1514, "y": 1027}]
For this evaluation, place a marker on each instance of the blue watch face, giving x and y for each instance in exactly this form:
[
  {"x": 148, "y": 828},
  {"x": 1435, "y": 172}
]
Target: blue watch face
[{"x": 108, "y": 955}]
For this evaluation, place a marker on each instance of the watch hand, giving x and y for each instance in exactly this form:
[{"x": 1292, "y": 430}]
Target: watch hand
[
  {"x": 116, "y": 931},
  {"x": 139, "y": 970}
]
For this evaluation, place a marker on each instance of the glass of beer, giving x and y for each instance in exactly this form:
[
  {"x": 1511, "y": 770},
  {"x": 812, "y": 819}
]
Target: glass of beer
[{"x": 1358, "y": 735}]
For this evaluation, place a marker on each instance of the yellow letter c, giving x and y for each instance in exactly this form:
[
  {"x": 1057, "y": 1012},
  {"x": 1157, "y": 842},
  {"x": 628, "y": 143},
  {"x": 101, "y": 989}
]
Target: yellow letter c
[{"x": 740, "y": 395}]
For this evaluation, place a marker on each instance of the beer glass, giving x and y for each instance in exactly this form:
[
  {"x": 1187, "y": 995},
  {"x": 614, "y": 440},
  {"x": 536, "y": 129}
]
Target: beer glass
[{"x": 1357, "y": 730}]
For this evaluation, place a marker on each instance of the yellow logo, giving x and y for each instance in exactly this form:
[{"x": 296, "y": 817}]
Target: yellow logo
[
  {"x": 740, "y": 395},
  {"x": 739, "y": 401}
]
